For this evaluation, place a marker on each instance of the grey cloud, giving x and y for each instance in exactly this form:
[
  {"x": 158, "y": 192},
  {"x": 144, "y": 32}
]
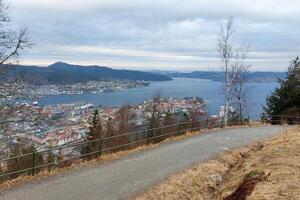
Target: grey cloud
[{"x": 181, "y": 28}]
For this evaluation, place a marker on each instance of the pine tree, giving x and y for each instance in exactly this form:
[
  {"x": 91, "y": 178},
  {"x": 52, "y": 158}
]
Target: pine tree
[
  {"x": 94, "y": 138},
  {"x": 285, "y": 100},
  {"x": 96, "y": 130}
]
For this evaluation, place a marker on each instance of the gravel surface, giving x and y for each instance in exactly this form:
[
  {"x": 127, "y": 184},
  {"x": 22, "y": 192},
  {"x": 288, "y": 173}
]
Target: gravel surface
[{"x": 123, "y": 178}]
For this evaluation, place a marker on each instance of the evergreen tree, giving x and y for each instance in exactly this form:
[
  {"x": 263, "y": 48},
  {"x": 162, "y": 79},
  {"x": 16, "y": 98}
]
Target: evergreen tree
[
  {"x": 285, "y": 100},
  {"x": 95, "y": 133},
  {"x": 96, "y": 130}
]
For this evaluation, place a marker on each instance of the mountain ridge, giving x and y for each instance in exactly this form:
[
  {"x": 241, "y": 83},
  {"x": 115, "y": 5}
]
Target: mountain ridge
[
  {"x": 63, "y": 73},
  {"x": 256, "y": 76}
]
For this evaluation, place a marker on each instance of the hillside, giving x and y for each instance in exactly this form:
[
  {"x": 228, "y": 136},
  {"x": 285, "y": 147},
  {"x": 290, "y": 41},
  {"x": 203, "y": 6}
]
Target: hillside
[
  {"x": 265, "y": 170},
  {"x": 61, "y": 73},
  {"x": 218, "y": 76}
]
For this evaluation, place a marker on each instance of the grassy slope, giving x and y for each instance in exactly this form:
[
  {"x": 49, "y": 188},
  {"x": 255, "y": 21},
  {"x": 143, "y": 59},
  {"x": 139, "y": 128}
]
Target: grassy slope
[{"x": 218, "y": 178}]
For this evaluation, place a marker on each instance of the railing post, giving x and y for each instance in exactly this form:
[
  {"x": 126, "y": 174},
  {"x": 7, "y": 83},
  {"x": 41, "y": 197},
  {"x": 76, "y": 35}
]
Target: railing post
[
  {"x": 147, "y": 137},
  {"x": 178, "y": 129},
  {"x": 206, "y": 123},
  {"x": 33, "y": 163},
  {"x": 60, "y": 156},
  {"x": 222, "y": 123},
  {"x": 100, "y": 147}
]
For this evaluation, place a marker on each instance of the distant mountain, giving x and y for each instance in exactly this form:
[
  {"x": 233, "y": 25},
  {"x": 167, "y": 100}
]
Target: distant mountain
[
  {"x": 62, "y": 73},
  {"x": 219, "y": 76}
]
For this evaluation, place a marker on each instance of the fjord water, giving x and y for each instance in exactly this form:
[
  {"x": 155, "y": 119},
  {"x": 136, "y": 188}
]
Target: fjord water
[{"x": 210, "y": 91}]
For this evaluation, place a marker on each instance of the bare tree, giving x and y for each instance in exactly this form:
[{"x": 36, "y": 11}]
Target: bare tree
[
  {"x": 125, "y": 122},
  {"x": 126, "y": 119},
  {"x": 225, "y": 50},
  {"x": 239, "y": 89},
  {"x": 154, "y": 121},
  {"x": 157, "y": 96},
  {"x": 235, "y": 70},
  {"x": 11, "y": 44}
]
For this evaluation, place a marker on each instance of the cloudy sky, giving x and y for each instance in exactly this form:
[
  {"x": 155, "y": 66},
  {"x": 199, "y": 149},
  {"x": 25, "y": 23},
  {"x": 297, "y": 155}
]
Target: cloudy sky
[{"x": 157, "y": 34}]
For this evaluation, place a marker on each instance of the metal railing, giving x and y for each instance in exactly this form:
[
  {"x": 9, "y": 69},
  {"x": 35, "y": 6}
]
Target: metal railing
[{"x": 62, "y": 156}]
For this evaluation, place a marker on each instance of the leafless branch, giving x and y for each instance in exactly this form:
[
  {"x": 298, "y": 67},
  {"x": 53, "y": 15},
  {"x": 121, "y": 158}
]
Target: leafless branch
[
  {"x": 12, "y": 48},
  {"x": 239, "y": 90},
  {"x": 225, "y": 50}
]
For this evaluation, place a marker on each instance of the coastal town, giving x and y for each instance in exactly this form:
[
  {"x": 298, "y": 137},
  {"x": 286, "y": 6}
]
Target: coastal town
[
  {"x": 61, "y": 124},
  {"x": 25, "y": 90}
]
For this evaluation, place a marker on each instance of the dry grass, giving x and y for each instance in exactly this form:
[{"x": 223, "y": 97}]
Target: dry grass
[
  {"x": 199, "y": 182},
  {"x": 281, "y": 158},
  {"x": 218, "y": 178}
]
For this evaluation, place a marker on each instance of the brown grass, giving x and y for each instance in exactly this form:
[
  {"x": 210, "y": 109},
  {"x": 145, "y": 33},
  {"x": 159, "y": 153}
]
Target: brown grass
[{"x": 277, "y": 158}]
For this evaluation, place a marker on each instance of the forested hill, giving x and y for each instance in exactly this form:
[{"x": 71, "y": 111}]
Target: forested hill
[
  {"x": 218, "y": 76},
  {"x": 61, "y": 73}
]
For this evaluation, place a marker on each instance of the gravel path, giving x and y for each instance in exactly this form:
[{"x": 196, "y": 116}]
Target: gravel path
[{"x": 123, "y": 178}]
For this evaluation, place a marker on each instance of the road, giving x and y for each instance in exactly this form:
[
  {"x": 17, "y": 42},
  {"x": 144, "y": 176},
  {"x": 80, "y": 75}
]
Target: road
[{"x": 120, "y": 179}]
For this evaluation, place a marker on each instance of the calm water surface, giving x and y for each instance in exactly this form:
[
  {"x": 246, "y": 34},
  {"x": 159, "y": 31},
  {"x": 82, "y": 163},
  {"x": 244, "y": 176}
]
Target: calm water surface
[{"x": 210, "y": 91}]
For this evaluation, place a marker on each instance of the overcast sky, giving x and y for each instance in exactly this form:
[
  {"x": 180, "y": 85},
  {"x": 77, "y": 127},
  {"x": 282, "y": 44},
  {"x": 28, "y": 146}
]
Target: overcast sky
[{"x": 157, "y": 34}]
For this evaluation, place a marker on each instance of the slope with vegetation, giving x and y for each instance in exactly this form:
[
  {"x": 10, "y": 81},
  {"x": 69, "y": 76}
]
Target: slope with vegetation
[
  {"x": 285, "y": 100},
  {"x": 264, "y": 170}
]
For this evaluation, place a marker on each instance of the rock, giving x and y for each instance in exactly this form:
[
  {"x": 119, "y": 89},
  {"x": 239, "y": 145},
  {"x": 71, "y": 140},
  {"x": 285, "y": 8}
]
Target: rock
[{"x": 216, "y": 178}]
